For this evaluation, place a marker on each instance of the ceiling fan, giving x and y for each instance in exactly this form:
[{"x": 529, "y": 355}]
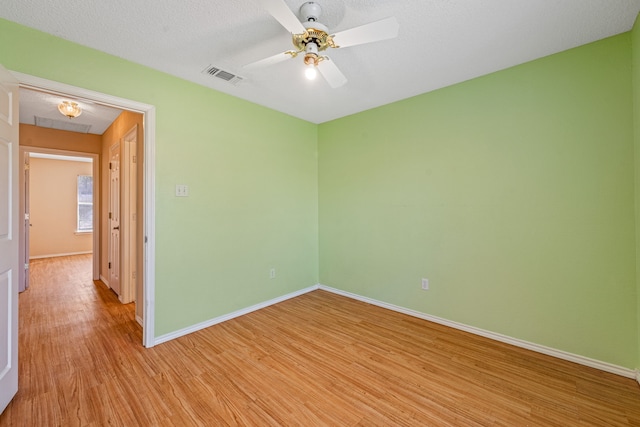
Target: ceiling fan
[{"x": 310, "y": 37}]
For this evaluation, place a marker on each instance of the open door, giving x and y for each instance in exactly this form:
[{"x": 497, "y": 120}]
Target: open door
[
  {"x": 114, "y": 219},
  {"x": 9, "y": 226}
]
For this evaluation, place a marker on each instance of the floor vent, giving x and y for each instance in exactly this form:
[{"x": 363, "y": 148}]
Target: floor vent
[{"x": 223, "y": 75}]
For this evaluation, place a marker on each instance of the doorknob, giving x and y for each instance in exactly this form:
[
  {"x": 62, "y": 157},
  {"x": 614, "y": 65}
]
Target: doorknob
[{"x": 116, "y": 228}]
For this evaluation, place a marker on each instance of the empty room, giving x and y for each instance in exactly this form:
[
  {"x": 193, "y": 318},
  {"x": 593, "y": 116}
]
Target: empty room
[{"x": 346, "y": 213}]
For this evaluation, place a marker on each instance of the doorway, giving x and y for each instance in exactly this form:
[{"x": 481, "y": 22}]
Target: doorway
[
  {"x": 61, "y": 214},
  {"x": 146, "y": 243}
]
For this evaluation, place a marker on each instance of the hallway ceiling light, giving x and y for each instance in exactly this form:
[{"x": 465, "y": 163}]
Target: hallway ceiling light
[{"x": 69, "y": 109}]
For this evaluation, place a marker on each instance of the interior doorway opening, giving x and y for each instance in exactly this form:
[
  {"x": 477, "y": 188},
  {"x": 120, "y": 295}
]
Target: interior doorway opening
[
  {"x": 145, "y": 242},
  {"x": 53, "y": 196}
]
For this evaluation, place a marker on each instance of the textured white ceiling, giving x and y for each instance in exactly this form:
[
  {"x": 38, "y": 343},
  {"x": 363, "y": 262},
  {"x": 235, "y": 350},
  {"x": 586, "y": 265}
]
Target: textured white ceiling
[
  {"x": 440, "y": 42},
  {"x": 45, "y": 105}
]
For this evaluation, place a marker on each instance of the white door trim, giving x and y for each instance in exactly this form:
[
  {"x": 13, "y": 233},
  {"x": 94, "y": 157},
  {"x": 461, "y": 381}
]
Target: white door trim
[
  {"x": 149, "y": 112},
  {"x": 128, "y": 215}
]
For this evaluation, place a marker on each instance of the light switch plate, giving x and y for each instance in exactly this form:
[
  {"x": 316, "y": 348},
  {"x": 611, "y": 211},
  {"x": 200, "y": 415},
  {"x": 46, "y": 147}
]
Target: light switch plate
[{"x": 182, "y": 190}]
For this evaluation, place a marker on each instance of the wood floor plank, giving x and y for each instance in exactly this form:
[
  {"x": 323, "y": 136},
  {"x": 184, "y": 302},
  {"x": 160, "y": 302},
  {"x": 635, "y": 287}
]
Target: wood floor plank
[{"x": 315, "y": 360}]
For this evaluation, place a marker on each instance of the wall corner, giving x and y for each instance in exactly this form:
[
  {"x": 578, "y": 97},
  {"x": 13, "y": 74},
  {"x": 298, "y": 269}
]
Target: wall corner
[{"x": 635, "y": 85}]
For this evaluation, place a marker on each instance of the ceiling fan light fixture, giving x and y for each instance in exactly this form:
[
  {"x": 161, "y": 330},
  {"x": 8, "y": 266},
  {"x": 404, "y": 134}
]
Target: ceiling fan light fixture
[
  {"x": 69, "y": 109},
  {"x": 311, "y": 60},
  {"x": 310, "y": 72}
]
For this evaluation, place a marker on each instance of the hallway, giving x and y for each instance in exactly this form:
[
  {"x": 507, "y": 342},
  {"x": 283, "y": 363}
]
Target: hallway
[{"x": 70, "y": 327}]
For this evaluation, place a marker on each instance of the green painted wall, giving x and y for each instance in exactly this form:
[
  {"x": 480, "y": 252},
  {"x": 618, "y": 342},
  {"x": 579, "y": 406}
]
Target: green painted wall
[
  {"x": 513, "y": 193},
  {"x": 252, "y": 176},
  {"x": 635, "y": 34}
]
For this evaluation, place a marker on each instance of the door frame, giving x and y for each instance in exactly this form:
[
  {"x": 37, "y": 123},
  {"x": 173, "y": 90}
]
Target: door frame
[
  {"x": 25, "y": 217},
  {"x": 95, "y": 170},
  {"x": 128, "y": 214},
  {"x": 149, "y": 122}
]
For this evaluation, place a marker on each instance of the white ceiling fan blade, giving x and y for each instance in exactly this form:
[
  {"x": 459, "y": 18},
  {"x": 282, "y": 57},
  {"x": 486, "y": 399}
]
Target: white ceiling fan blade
[
  {"x": 271, "y": 60},
  {"x": 279, "y": 10},
  {"x": 331, "y": 73},
  {"x": 380, "y": 30}
]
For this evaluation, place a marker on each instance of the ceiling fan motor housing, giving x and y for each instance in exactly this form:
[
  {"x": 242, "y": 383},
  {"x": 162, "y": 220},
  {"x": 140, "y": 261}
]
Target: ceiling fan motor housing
[{"x": 316, "y": 36}]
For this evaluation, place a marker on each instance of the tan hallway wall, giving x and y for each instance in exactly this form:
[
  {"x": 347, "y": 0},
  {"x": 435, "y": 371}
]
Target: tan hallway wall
[
  {"x": 37, "y": 138},
  {"x": 53, "y": 208},
  {"x": 34, "y": 136}
]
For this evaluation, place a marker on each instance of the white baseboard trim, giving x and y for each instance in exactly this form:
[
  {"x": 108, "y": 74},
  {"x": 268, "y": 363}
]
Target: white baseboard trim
[
  {"x": 139, "y": 320},
  {"x": 105, "y": 281},
  {"x": 58, "y": 255},
  {"x": 177, "y": 334},
  {"x": 638, "y": 375},
  {"x": 603, "y": 366}
]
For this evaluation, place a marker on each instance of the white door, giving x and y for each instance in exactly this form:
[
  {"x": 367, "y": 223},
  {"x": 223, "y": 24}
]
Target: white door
[
  {"x": 114, "y": 219},
  {"x": 9, "y": 226}
]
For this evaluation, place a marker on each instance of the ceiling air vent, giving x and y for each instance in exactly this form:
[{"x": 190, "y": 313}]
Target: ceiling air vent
[
  {"x": 221, "y": 74},
  {"x": 62, "y": 125}
]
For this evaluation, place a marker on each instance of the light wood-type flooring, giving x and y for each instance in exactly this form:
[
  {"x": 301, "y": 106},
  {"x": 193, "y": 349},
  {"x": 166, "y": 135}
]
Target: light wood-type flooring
[{"x": 315, "y": 360}]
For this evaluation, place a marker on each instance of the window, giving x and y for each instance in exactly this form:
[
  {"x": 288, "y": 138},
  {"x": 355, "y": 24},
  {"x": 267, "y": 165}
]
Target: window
[{"x": 85, "y": 203}]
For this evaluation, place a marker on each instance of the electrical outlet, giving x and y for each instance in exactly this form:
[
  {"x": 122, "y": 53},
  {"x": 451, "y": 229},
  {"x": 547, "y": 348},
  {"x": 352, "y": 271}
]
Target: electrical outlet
[
  {"x": 425, "y": 284},
  {"x": 272, "y": 273}
]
